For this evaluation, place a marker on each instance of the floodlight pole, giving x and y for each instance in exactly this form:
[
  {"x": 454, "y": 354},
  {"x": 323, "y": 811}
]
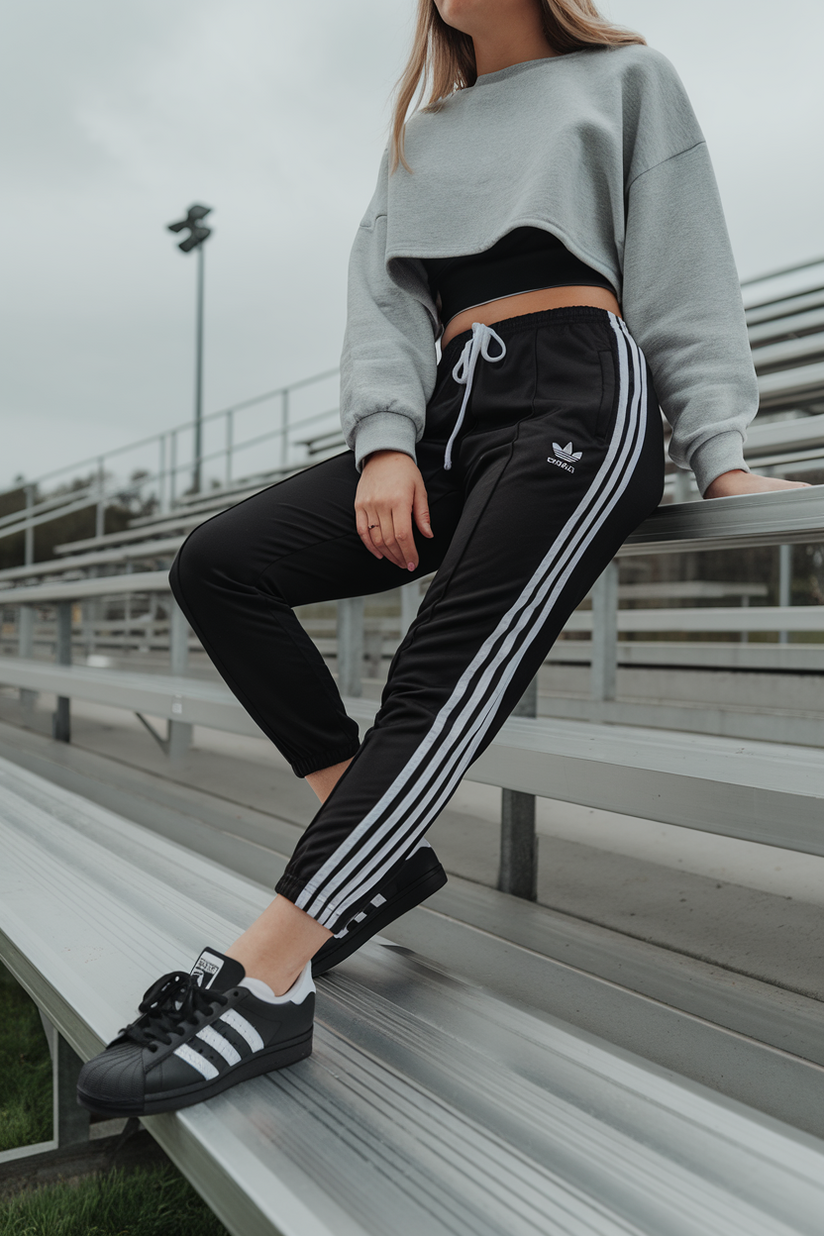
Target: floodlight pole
[
  {"x": 198, "y": 233},
  {"x": 196, "y": 473}
]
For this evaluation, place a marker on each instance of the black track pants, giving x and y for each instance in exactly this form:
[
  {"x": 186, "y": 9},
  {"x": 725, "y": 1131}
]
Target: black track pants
[{"x": 559, "y": 457}]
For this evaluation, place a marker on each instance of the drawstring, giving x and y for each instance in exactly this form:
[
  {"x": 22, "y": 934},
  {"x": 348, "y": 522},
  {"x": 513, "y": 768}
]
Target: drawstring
[{"x": 464, "y": 372}]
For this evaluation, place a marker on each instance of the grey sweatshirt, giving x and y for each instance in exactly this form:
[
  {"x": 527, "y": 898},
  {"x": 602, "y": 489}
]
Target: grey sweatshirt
[{"x": 602, "y": 148}]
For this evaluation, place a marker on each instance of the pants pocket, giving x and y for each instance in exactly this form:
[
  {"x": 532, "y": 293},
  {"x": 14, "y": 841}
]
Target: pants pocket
[{"x": 606, "y": 409}]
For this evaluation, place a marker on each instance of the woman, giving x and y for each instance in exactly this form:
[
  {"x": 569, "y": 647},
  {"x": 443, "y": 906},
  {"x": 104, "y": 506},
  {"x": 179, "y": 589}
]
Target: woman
[{"x": 555, "y": 209}]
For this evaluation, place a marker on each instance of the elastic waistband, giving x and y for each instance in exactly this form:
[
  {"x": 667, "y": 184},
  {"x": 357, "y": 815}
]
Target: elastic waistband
[{"x": 528, "y": 321}]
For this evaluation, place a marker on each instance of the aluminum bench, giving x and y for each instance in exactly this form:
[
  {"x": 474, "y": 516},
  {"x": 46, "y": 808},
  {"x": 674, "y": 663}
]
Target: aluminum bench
[
  {"x": 430, "y": 1104},
  {"x": 656, "y": 778},
  {"x": 759, "y": 791}
]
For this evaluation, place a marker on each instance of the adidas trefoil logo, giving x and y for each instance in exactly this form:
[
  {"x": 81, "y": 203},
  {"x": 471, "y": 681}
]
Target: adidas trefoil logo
[
  {"x": 566, "y": 452},
  {"x": 565, "y": 457},
  {"x": 205, "y": 969}
]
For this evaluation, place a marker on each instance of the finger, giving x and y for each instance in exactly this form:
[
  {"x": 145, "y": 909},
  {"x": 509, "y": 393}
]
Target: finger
[
  {"x": 420, "y": 510},
  {"x": 391, "y": 546},
  {"x": 389, "y": 540},
  {"x": 384, "y": 536},
  {"x": 405, "y": 539},
  {"x": 365, "y": 532}
]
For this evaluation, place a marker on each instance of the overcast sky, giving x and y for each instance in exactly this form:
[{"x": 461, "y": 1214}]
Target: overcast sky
[{"x": 117, "y": 116}]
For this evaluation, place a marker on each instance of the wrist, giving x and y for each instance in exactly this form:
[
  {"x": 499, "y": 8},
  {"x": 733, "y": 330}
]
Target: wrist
[
  {"x": 720, "y": 454},
  {"x": 383, "y": 454},
  {"x": 383, "y": 431},
  {"x": 721, "y": 482}
]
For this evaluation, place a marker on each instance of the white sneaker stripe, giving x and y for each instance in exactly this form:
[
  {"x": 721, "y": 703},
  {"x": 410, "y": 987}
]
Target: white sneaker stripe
[
  {"x": 203, "y": 1066},
  {"x": 245, "y": 1028},
  {"x": 227, "y": 1051},
  {"x": 347, "y": 884}
]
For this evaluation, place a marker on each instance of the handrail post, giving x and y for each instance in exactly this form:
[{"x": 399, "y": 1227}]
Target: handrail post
[
  {"x": 29, "y": 541},
  {"x": 61, "y": 717},
  {"x": 172, "y": 468},
  {"x": 518, "y": 870},
  {"x": 604, "y": 642},
  {"x": 161, "y": 476},
  {"x": 178, "y": 733},
  {"x": 350, "y": 645},
  {"x": 25, "y": 648},
  {"x": 229, "y": 444},
  {"x": 127, "y": 614},
  {"x": 410, "y": 601},
  {"x": 88, "y": 618},
  {"x": 785, "y": 575},
  {"x": 284, "y": 426},
  {"x": 100, "y": 511}
]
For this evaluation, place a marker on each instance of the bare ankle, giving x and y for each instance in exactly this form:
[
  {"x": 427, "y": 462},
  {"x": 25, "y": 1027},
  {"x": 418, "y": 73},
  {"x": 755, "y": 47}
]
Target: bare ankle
[
  {"x": 278, "y": 945},
  {"x": 280, "y": 978},
  {"x": 324, "y": 780}
]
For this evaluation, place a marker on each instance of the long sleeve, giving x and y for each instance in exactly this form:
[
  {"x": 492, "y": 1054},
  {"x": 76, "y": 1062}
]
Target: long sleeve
[
  {"x": 682, "y": 303},
  {"x": 388, "y": 365}
]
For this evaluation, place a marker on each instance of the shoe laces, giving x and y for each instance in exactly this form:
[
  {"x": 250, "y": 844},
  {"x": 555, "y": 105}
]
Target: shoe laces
[{"x": 173, "y": 1001}]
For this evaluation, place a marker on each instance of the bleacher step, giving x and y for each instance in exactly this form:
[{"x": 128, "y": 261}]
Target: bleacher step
[
  {"x": 747, "y": 1038},
  {"x": 429, "y": 1105},
  {"x": 767, "y": 792}
]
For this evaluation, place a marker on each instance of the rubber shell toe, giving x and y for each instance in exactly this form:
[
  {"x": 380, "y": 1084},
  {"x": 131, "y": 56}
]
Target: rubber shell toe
[{"x": 115, "y": 1077}]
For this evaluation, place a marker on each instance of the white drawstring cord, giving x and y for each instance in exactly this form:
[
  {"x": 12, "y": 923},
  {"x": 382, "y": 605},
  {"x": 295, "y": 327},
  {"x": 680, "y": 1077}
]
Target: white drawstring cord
[{"x": 464, "y": 372}]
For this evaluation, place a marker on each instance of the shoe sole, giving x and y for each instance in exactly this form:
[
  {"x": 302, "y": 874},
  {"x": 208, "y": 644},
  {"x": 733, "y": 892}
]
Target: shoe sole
[
  {"x": 407, "y": 899},
  {"x": 266, "y": 1062}
]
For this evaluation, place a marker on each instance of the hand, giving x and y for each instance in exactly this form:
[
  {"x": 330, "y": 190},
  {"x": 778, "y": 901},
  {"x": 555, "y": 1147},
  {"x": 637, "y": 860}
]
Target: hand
[
  {"x": 390, "y": 492},
  {"x": 740, "y": 482}
]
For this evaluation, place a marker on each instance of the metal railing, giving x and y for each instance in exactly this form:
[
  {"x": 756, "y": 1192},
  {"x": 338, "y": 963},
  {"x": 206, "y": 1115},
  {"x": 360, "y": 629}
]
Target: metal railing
[
  {"x": 786, "y": 333},
  {"x": 166, "y": 458},
  {"x": 781, "y": 518}
]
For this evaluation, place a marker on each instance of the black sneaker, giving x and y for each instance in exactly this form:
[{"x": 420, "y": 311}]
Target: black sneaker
[
  {"x": 416, "y": 879},
  {"x": 199, "y": 1034}
]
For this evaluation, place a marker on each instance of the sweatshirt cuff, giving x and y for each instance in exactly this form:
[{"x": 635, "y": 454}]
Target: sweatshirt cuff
[
  {"x": 383, "y": 431},
  {"x": 723, "y": 453}
]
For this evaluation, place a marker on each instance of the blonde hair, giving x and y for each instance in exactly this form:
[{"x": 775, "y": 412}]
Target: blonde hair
[{"x": 442, "y": 60}]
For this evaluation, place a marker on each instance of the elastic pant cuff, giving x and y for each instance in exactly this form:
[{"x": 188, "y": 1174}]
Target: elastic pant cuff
[
  {"x": 314, "y": 763},
  {"x": 290, "y": 888}
]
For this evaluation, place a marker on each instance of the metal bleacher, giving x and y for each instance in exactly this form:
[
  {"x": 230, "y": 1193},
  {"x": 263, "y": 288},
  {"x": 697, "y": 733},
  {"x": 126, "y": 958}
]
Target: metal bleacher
[
  {"x": 430, "y": 1103},
  {"x": 491, "y": 1067}
]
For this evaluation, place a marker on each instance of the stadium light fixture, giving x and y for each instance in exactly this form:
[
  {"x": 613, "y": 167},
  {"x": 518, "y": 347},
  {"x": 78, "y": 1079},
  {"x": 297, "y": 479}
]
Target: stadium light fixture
[{"x": 198, "y": 233}]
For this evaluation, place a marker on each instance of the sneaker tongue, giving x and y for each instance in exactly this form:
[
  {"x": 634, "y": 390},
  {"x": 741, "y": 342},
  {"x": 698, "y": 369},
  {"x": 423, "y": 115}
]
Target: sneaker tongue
[{"x": 215, "y": 970}]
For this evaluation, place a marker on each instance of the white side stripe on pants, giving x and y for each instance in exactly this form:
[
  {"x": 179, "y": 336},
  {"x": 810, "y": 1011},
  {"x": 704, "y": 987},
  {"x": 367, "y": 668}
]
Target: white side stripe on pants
[{"x": 442, "y": 757}]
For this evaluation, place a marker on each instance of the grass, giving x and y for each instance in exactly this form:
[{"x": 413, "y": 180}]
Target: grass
[
  {"x": 25, "y": 1069},
  {"x": 143, "y": 1202},
  {"x": 146, "y": 1201}
]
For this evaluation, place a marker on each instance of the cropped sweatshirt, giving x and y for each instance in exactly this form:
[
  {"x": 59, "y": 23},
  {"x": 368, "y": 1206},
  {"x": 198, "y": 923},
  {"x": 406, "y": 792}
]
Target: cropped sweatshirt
[{"x": 602, "y": 148}]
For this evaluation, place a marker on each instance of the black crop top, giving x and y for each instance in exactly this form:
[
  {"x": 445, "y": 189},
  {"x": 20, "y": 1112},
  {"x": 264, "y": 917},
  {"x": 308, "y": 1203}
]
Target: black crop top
[{"x": 524, "y": 260}]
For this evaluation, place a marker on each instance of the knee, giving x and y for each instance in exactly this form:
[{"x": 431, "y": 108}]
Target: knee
[{"x": 202, "y": 558}]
